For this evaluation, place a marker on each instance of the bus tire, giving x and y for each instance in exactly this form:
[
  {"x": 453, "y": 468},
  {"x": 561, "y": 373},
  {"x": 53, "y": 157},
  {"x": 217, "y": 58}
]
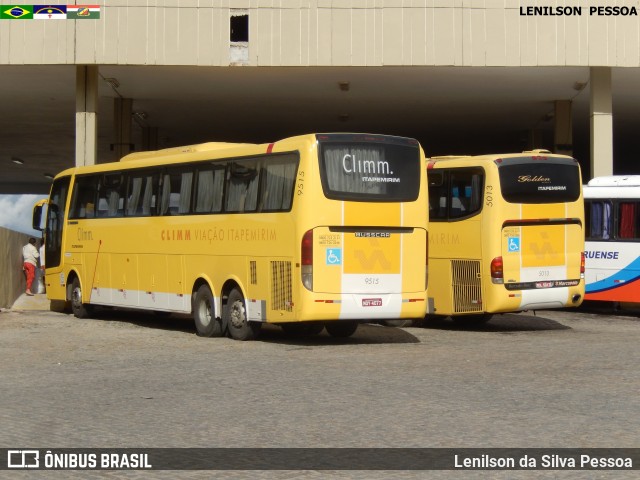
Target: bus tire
[
  {"x": 79, "y": 309},
  {"x": 207, "y": 325},
  {"x": 341, "y": 328},
  {"x": 235, "y": 318},
  {"x": 470, "y": 320}
]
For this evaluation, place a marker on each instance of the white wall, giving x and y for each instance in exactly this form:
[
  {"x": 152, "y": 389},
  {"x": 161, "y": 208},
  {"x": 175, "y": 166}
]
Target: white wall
[{"x": 330, "y": 32}]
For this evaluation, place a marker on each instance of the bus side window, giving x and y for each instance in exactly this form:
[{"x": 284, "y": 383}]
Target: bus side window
[
  {"x": 466, "y": 192},
  {"x": 84, "y": 197},
  {"x": 111, "y": 196},
  {"x": 277, "y": 185},
  {"x": 141, "y": 194},
  {"x": 209, "y": 189},
  {"x": 437, "y": 195},
  {"x": 599, "y": 218},
  {"x": 242, "y": 187},
  {"x": 628, "y": 220},
  {"x": 175, "y": 198}
]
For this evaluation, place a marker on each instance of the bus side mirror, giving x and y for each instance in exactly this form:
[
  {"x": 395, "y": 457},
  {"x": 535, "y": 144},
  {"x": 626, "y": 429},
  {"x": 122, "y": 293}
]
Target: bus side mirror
[{"x": 36, "y": 222}]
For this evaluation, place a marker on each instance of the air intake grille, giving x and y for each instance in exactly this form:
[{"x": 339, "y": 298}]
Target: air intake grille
[
  {"x": 467, "y": 289},
  {"x": 253, "y": 272},
  {"x": 281, "y": 297}
]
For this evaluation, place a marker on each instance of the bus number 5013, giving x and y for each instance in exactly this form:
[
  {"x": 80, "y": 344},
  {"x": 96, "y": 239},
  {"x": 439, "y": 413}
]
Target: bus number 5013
[{"x": 488, "y": 195}]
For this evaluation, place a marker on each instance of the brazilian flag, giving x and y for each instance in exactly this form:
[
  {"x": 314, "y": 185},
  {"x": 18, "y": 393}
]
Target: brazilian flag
[{"x": 17, "y": 12}]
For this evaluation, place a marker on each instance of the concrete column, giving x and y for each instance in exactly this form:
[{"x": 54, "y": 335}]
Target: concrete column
[
  {"x": 149, "y": 138},
  {"x": 563, "y": 128},
  {"x": 534, "y": 139},
  {"x": 601, "y": 122},
  {"x": 122, "y": 127},
  {"x": 86, "y": 114}
]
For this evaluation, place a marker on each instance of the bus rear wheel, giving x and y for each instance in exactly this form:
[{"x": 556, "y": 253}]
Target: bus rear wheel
[
  {"x": 341, "y": 328},
  {"x": 235, "y": 318},
  {"x": 207, "y": 325},
  {"x": 79, "y": 309}
]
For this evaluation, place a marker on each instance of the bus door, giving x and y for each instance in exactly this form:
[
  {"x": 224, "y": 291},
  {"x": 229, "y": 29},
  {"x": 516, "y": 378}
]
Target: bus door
[{"x": 53, "y": 236}]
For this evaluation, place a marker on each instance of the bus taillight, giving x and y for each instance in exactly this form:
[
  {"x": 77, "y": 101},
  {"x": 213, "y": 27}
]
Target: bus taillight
[
  {"x": 497, "y": 270},
  {"x": 306, "y": 258},
  {"x": 581, "y": 264}
]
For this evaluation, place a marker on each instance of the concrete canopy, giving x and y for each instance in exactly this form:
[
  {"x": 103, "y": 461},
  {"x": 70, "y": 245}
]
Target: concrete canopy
[{"x": 450, "y": 110}]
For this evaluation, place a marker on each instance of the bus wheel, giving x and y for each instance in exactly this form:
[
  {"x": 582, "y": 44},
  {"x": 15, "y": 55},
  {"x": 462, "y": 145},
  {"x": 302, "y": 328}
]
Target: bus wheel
[
  {"x": 235, "y": 318},
  {"x": 207, "y": 325},
  {"x": 303, "y": 329},
  {"x": 79, "y": 309},
  {"x": 470, "y": 320},
  {"x": 341, "y": 329}
]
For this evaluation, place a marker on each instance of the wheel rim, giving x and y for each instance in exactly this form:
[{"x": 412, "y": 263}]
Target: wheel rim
[
  {"x": 237, "y": 314},
  {"x": 204, "y": 312},
  {"x": 76, "y": 297}
]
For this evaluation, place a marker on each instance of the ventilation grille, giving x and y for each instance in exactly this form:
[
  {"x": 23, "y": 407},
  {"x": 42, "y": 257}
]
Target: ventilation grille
[
  {"x": 253, "y": 272},
  {"x": 467, "y": 289},
  {"x": 281, "y": 298}
]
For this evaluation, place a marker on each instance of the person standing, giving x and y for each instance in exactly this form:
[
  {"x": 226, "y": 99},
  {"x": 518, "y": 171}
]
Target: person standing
[{"x": 30, "y": 262}]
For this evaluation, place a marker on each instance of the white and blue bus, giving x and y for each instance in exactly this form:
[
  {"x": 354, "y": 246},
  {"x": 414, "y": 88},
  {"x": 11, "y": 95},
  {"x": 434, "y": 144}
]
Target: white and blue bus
[{"x": 612, "y": 247}]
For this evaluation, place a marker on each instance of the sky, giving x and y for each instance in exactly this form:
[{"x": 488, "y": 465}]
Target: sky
[{"x": 16, "y": 212}]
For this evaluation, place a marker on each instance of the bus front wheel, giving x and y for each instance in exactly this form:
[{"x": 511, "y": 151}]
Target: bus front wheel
[
  {"x": 80, "y": 310},
  {"x": 341, "y": 328},
  {"x": 207, "y": 325},
  {"x": 235, "y": 318}
]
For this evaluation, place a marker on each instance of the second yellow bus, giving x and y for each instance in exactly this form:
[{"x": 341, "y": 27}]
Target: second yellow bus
[{"x": 505, "y": 234}]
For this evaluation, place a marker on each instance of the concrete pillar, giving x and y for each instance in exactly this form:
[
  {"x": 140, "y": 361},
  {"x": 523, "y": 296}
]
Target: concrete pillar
[
  {"x": 563, "y": 128},
  {"x": 122, "y": 127},
  {"x": 86, "y": 114},
  {"x": 534, "y": 139},
  {"x": 149, "y": 138},
  {"x": 601, "y": 122}
]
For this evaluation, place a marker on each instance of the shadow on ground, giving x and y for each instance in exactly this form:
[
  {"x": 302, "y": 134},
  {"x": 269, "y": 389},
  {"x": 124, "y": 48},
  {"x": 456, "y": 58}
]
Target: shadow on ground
[{"x": 500, "y": 323}]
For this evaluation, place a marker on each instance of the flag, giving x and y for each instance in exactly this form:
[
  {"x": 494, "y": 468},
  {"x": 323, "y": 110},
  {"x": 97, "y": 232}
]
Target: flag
[
  {"x": 50, "y": 12},
  {"x": 17, "y": 12},
  {"x": 82, "y": 12}
]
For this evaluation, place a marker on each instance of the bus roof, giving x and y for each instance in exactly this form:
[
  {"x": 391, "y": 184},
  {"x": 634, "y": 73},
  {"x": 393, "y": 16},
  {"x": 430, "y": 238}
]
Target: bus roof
[
  {"x": 495, "y": 156},
  {"x": 615, "y": 181},
  {"x": 200, "y": 147}
]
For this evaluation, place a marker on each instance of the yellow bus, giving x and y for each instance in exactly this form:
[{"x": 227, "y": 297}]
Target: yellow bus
[
  {"x": 314, "y": 231},
  {"x": 505, "y": 234}
]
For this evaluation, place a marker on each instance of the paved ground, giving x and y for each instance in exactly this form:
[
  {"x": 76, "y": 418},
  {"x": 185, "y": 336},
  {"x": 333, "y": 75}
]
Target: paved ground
[{"x": 558, "y": 379}]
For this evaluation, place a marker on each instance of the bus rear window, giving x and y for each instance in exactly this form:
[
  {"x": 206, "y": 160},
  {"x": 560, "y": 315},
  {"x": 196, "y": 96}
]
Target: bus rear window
[
  {"x": 543, "y": 181},
  {"x": 376, "y": 171}
]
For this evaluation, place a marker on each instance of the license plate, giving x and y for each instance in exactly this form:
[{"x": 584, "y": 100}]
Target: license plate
[{"x": 371, "y": 302}]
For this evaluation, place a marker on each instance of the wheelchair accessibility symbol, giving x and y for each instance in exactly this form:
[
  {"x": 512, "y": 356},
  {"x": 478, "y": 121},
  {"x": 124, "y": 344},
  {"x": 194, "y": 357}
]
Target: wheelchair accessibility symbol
[
  {"x": 513, "y": 244},
  {"x": 334, "y": 256}
]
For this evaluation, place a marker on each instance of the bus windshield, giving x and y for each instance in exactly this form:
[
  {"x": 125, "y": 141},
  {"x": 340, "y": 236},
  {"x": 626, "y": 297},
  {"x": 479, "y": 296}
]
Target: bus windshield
[
  {"x": 545, "y": 181},
  {"x": 360, "y": 170}
]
